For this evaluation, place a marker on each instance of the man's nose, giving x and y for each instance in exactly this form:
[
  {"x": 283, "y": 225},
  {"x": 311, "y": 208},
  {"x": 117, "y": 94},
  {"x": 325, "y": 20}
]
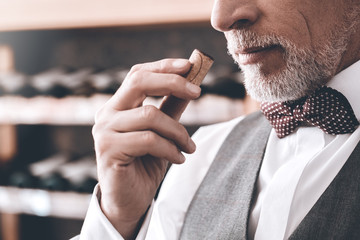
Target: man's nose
[{"x": 231, "y": 14}]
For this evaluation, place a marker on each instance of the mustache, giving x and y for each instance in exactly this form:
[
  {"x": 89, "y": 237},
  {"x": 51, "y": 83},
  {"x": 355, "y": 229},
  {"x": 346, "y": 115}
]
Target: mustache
[{"x": 245, "y": 39}]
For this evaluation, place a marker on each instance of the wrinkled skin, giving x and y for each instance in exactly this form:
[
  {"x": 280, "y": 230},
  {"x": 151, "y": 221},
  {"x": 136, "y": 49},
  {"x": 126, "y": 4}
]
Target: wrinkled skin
[{"x": 134, "y": 143}]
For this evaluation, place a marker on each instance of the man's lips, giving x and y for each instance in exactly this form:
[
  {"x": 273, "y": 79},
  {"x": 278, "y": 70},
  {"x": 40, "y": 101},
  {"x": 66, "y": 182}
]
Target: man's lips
[{"x": 253, "y": 55}]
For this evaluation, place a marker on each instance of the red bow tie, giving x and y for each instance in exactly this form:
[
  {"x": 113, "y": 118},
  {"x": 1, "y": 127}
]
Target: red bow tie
[{"x": 326, "y": 108}]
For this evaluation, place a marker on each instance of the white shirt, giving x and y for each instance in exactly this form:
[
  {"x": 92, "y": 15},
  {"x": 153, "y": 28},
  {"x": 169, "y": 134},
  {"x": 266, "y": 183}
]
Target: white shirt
[{"x": 298, "y": 167}]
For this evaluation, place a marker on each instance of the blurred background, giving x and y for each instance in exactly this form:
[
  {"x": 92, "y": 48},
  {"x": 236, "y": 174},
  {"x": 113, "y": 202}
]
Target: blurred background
[{"x": 59, "y": 62}]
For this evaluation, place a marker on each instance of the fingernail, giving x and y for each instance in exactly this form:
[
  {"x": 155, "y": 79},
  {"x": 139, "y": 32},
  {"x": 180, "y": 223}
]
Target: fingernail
[
  {"x": 194, "y": 89},
  {"x": 180, "y": 63}
]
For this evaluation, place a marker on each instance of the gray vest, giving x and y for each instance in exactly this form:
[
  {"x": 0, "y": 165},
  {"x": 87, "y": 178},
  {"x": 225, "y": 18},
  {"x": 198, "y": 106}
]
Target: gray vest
[{"x": 220, "y": 208}]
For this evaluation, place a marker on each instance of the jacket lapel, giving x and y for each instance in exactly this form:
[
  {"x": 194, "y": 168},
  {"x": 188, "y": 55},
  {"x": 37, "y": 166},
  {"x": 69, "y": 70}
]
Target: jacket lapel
[
  {"x": 220, "y": 208},
  {"x": 336, "y": 215}
]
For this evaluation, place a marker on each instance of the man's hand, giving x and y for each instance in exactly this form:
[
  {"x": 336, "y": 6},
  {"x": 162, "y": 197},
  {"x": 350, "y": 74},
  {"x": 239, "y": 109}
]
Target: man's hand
[{"x": 134, "y": 143}]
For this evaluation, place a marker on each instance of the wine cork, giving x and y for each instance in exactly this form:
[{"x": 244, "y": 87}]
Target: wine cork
[{"x": 201, "y": 64}]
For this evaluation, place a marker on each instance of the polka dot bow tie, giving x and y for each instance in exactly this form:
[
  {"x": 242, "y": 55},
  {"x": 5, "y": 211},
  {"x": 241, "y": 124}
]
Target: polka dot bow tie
[{"x": 326, "y": 108}]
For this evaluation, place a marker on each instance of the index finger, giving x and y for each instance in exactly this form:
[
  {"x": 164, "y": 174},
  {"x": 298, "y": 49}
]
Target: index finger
[
  {"x": 160, "y": 78},
  {"x": 169, "y": 65}
]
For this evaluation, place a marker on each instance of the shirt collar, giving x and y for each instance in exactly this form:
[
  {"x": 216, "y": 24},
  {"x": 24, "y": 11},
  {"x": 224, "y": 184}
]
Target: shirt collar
[{"x": 348, "y": 83}]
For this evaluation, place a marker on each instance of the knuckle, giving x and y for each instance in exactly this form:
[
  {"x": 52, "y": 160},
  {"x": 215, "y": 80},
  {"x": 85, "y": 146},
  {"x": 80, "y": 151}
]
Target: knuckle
[
  {"x": 109, "y": 158},
  {"x": 135, "y": 68},
  {"x": 98, "y": 115},
  {"x": 148, "y": 112},
  {"x": 119, "y": 167},
  {"x": 148, "y": 138},
  {"x": 164, "y": 64},
  {"x": 103, "y": 139},
  {"x": 175, "y": 82},
  {"x": 104, "y": 113},
  {"x": 94, "y": 130},
  {"x": 135, "y": 79},
  {"x": 120, "y": 164},
  {"x": 97, "y": 132},
  {"x": 101, "y": 143},
  {"x": 101, "y": 122}
]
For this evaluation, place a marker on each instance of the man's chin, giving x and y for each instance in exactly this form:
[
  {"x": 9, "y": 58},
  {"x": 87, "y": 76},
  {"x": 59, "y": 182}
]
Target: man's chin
[{"x": 273, "y": 87}]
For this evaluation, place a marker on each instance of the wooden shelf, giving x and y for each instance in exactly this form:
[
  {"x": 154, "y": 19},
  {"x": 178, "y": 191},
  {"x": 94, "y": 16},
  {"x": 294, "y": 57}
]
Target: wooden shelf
[
  {"x": 43, "y": 203},
  {"x": 81, "y": 110},
  {"x": 41, "y": 14},
  {"x": 49, "y": 110}
]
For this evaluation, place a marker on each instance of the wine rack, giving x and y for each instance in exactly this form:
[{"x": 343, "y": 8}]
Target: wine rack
[{"x": 84, "y": 59}]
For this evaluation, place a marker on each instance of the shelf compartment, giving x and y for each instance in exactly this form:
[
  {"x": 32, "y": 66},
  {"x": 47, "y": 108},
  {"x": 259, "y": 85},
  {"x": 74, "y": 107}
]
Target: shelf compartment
[
  {"x": 43, "y": 203},
  {"x": 75, "y": 110}
]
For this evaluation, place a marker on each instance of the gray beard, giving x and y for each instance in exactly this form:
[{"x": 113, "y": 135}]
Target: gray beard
[{"x": 305, "y": 70}]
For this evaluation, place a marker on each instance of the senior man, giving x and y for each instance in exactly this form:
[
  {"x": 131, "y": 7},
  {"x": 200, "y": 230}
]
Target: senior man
[{"x": 291, "y": 171}]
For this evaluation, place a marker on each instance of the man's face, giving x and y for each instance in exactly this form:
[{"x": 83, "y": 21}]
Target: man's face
[{"x": 286, "y": 48}]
